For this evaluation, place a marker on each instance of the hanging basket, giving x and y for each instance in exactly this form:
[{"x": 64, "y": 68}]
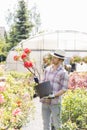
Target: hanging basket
[{"x": 43, "y": 89}]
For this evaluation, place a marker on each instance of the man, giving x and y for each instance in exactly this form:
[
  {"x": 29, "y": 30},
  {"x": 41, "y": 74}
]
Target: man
[{"x": 58, "y": 77}]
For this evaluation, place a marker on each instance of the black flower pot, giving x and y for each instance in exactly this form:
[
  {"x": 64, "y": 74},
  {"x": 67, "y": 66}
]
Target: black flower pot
[{"x": 43, "y": 89}]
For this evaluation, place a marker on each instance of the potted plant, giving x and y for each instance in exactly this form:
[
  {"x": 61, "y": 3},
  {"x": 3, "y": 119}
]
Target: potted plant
[{"x": 42, "y": 88}]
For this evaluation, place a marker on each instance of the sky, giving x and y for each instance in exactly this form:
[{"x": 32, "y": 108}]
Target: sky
[{"x": 55, "y": 14}]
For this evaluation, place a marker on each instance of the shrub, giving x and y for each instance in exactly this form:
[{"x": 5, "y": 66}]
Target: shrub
[
  {"x": 16, "y": 104},
  {"x": 75, "y": 107}
]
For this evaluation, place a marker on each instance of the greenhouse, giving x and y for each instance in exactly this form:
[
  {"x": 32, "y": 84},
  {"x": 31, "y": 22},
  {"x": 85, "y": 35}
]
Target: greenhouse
[
  {"x": 73, "y": 42},
  {"x": 17, "y": 88}
]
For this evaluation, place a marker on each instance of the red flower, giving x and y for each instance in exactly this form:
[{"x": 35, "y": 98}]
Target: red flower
[
  {"x": 16, "y": 58},
  {"x": 23, "y": 56},
  {"x": 28, "y": 64},
  {"x": 27, "y": 51}
]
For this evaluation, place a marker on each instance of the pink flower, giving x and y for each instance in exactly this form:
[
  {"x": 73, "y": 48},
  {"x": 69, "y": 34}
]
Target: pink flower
[
  {"x": 1, "y": 98},
  {"x": 16, "y": 112},
  {"x": 1, "y": 111},
  {"x": 26, "y": 96},
  {"x": 16, "y": 58},
  {"x": 2, "y": 86},
  {"x": 77, "y": 80}
]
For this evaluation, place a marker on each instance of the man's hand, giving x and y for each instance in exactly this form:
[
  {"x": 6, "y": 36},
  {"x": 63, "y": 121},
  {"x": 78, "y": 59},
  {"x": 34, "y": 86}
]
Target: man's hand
[
  {"x": 36, "y": 80},
  {"x": 51, "y": 96},
  {"x": 45, "y": 100}
]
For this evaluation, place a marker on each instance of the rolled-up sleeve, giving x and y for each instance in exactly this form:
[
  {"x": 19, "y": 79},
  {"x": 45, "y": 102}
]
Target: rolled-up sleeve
[{"x": 64, "y": 81}]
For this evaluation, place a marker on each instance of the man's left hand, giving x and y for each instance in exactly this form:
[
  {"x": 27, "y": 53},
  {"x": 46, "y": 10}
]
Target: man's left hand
[{"x": 51, "y": 96}]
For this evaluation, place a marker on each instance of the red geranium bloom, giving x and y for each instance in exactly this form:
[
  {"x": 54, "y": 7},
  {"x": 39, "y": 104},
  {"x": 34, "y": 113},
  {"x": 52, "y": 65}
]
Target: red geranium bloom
[
  {"x": 27, "y": 51},
  {"x": 28, "y": 64},
  {"x": 16, "y": 58},
  {"x": 23, "y": 56}
]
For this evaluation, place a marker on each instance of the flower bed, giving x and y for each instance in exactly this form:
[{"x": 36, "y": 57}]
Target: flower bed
[
  {"x": 74, "y": 109},
  {"x": 77, "y": 80},
  {"x": 16, "y": 92},
  {"x": 74, "y": 104}
]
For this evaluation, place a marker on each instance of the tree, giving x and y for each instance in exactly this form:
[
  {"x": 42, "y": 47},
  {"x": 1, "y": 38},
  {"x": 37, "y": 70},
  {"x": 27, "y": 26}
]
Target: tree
[
  {"x": 3, "y": 50},
  {"x": 22, "y": 26},
  {"x": 35, "y": 18}
]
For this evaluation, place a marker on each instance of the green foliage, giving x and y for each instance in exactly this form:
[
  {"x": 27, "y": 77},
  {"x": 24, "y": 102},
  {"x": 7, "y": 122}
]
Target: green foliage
[
  {"x": 22, "y": 26},
  {"x": 69, "y": 126},
  {"x": 75, "y": 59},
  {"x": 3, "y": 47},
  {"x": 78, "y": 59},
  {"x": 23, "y": 23},
  {"x": 3, "y": 50},
  {"x": 84, "y": 59},
  {"x": 1, "y": 71},
  {"x": 75, "y": 107},
  {"x": 20, "y": 75}
]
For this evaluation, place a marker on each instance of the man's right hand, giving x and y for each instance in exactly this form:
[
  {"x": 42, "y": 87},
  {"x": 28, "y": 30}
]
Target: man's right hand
[{"x": 45, "y": 100}]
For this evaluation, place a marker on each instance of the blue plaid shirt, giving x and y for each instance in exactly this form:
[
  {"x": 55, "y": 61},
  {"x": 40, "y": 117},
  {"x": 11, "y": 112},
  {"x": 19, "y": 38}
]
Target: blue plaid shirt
[{"x": 58, "y": 79}]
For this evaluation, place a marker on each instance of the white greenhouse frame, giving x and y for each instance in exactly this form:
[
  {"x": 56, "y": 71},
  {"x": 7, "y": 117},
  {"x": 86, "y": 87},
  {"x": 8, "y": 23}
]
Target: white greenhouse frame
[{"x": 73, "y": 42}]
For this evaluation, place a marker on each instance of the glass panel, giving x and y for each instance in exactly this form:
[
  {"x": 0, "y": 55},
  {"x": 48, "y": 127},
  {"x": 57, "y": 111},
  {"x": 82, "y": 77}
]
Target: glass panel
[
  {"x": 66, "y": 41},
  {"x": 50, "y": 41}
]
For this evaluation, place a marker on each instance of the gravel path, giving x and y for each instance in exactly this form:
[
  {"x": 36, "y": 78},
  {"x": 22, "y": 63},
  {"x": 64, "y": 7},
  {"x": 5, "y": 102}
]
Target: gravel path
[{"x": 36, "y": 123}]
